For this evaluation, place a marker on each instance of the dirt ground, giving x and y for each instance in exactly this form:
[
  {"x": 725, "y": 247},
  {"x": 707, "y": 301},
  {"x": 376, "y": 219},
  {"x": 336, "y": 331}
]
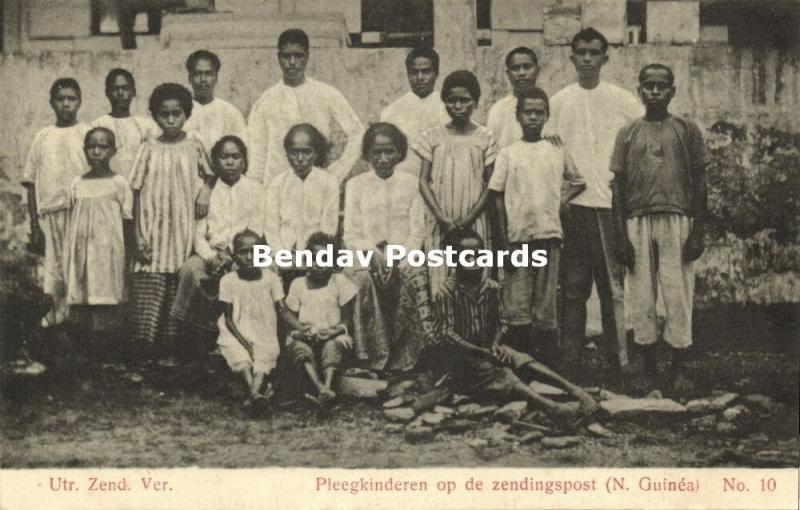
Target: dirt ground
[{"x": 109, "y": 417}]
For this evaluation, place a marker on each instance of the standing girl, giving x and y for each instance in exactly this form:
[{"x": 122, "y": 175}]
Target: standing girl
[
  {"x": 100, "y": 226},
  {"x": 457, "y": 160},
  {"x": 167, "y": 177}
]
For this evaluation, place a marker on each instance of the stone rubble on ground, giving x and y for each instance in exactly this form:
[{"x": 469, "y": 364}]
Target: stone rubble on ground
[
  {"x": 722, "y": 401},
  {"x": 399, "y": 414},
  {"x": 599, "y": 431},
  {"x": 561, "y": 442},
  {"x": 432, "y": 418},
  {"x": 447, "y": 411},
  {"x": 631, "y": 408},
  {"x": 546, "y": 390},
  {"x": 512, "y": 411}
]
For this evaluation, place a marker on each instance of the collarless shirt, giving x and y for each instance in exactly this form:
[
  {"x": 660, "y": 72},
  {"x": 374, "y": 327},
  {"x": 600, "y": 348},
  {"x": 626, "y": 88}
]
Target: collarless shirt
[
  {"x": 379, "y": 209},
  {"x": 131, "y": 132},
  {"x": 415, "y": 115},
  {"x": 231, "y": 209},
  {"x": 296, "y": 208},
  {"x": 502, "y": 121},
  {"x": 281, "y": 107},
  {"x": 587, "y": 121},
  {"x": 55, "y": 159},
  {"x": 214, "y": 120}
]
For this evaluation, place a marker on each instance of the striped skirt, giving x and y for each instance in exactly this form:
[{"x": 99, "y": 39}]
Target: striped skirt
[{"x": 152, "y": 295}]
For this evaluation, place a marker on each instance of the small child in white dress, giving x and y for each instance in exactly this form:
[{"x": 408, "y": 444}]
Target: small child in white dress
[{"x": 248, "y": 329}]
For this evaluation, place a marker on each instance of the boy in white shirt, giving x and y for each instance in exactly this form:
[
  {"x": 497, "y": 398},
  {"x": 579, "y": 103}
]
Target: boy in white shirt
[{"x": 532, "y": 179}]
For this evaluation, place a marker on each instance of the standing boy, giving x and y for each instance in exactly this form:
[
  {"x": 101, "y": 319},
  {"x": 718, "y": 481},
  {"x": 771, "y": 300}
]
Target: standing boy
[
  {"x": 55, "y": 159},
  {"x": 419, "y": 109},
  {"x": 522, "y": 69},
  {"x": 659, "y": 212},
  {"x": 130, "y": 131},
  {"x": 527, "y": 190},
  {"x": 298, "y": 99},
  {"x": 586, "y": 116},
  {"x": 212, "y": 117}
]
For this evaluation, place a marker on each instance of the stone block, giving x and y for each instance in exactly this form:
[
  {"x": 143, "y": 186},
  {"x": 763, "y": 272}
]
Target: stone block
[
  {"x": 507, "y": 40},
  {"x": 518, "y": 14},
  {"x": 714, "y": 34},
  {"x": 607, "y": 16},
  {"x": 673, "y": 22},
  {"x": 247, "y": 7},
  {"x": 361, "y": 388},
  {"x": 351, "y": 9},
  {"x": 399, "y": 414},
  {"x": 432, "y": 419},
  {"x": 632, "y": 408},
  {"x": 561, "y": 24},
  {"x": 561, "y": 442}
]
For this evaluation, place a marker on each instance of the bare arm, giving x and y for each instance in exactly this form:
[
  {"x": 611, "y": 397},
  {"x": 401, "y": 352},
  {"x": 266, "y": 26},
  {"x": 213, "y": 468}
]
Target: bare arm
[
  {"x": 37, "y": 236},
  {"x": 498, "y": 198},
  {"x": 482, "y": 202},
  {"x": 234, "y": 330},
  {"x": 695, "y": 244},
  {"x": 291, "y": 319}
]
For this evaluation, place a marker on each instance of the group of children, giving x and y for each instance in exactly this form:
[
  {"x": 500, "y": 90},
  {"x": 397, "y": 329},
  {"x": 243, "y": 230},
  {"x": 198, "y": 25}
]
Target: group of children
[{"x": 149, "y": 224}]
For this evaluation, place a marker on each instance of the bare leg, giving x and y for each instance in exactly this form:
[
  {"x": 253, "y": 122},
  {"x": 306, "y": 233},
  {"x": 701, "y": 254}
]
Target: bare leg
[
  {"x": 587, "y": 401},
  {"x": 681, "y": 384},
  {"x": 327, "y": 392},
  {"x": 311, "y": 371},
  {"x": 247, "y": 376},
  {"x": 555, "y": 409},
  {"x": 258, "y": 381}
]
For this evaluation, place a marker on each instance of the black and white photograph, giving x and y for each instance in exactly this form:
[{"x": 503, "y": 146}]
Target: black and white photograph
[{"x": 568, "y": 234}]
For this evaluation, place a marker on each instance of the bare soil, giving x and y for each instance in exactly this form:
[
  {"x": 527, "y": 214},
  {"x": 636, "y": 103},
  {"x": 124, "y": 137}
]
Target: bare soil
[{"x": 106, "y": 417}]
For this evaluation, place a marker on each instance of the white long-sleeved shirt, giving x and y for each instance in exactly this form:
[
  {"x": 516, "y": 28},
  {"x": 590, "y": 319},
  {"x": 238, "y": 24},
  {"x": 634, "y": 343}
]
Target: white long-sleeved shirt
[
  {"x": 587, "y": 120},
  {"x": 231, "y": 209},
  {"x": 280, "y": 108},
  {"x": 131, "y": 132},
  {"x": 296, "y": 208},
  {"x": 415, "y": 115},
  {"x": 502, "y": 121},
  {"x": 377, "y": 209},
  {"x": 214, "y": 120}
]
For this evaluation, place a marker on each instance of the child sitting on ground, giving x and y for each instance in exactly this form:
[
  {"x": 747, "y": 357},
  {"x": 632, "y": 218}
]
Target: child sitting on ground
[
  {"x": 318, "y": 310},
  {"x": 248, "y": 329},
  {"x": 470, "y": 327},
  {"x": 659, "y": 206}
]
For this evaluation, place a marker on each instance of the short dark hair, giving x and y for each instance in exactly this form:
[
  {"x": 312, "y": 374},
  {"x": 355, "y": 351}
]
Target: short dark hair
[
  {"x": 464, "y": 79},
  {"x": 118, "y": 71},
  {"x": 454, "y": 237},
  {"x": 100, "y": 129},
  {"x": 385, "y": 129},
  {"x": 521, "y": 50},
  {"x": 293, "y": 36},
  {"x": 318, "y": 142},
  {"x": 660, "y": 67},
  {"x": 199, "y": 55},
  {"x": 423, "y": 52},
  {"x": 64, "y": 83},
  {"x": 588, "y": 35},
  {"x": 533, "y": 93},
  {"x": 247, "y": 233},
  {"x": 216, "y": 150},
  {"x": 321, "y": 239},
  {"x": 167, "y": 91}
]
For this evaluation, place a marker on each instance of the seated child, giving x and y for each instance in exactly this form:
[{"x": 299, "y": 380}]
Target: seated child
[
  {"x": 318, "y": 310},
  {"x": 470, "y": 326},
  {"x": 248, "y": 329}
]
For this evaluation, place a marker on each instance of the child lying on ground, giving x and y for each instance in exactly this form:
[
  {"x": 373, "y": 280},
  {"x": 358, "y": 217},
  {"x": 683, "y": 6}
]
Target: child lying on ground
[{"x": 470, "y": 325}]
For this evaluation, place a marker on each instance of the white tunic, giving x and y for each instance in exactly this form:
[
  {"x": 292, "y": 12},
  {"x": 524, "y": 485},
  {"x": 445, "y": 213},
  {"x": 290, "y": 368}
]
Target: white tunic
[
  {"x": 280, "y": 108},
  {"x": 587, "y": 121},
  {"x": 377, "y": 209},
  {"x": 231, "y": 209},
  {"x": 130, "y": 132},
  {"x": 296, "y": 208},
  {"x": 214, "y": 120},
  {"x": 502, "y": 121},
  {"x": 55, "y": 159},
  {"x": 415, "y": 115}
]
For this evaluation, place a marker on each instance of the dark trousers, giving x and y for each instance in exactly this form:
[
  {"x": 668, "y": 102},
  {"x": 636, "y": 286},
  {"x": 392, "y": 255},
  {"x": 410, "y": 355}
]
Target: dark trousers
[{"x": 588, "y": 256}]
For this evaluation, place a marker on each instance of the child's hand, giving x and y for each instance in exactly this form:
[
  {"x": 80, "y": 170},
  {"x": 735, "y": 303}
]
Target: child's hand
[
  {"x": 500, "y": 353},
  {"x": 201, "y": 204},
  {"x": 143, "y": 253},
  {"x": 694, "y": 247},
  {"x": 448, "y": 224},
  {"x": 625, "y": 253},
  {"x": 36, "y": 244}
]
